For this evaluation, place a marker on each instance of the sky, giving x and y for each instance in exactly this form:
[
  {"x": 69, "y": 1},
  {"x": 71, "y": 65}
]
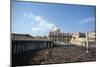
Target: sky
[{"x": 38, "y": 19}]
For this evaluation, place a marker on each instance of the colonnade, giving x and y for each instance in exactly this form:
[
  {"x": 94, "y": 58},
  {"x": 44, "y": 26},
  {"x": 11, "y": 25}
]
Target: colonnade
[{"x": 21, "y": 46}]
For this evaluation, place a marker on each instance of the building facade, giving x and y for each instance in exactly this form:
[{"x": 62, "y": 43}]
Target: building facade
[
  {"x": 81, "y": 39},
  {"x": 58, "y": 37}
]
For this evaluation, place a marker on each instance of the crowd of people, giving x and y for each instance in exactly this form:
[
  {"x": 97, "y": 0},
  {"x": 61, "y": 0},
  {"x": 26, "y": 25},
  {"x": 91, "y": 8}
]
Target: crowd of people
[
  {"x": 68, "y": 54},
  {"x": 54, "y": 55}
]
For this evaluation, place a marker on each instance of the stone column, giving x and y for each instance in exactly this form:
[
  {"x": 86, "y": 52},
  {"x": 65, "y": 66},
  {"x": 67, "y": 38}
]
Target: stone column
[
  {"x": 22, "y": 47},
  {"x": 14, "y": 48},
  {"x": 62, "y": 38},
  {"x": 57, "y": 38},
  {"x": 54, "y": 39}
]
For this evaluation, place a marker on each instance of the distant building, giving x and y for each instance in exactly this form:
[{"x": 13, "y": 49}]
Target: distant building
[
  {"x": 92, "y": 39},
  {"x": 58, "y": 37},
  {"x": 81, "y": 39}
]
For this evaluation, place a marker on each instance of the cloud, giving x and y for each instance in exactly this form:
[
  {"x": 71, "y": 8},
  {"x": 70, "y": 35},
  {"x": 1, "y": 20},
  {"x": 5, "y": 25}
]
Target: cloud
[
  {"x": 87, "y": 20},
  {"x": 40, "y": 23},
  {"x": 31, "y": 16},
  {"x": 36, "y": 29},
  {"x": 43, "y": 23}
]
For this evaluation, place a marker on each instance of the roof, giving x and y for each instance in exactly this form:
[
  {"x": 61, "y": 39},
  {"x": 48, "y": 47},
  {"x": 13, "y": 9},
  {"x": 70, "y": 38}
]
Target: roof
[{"x": 27, "y": 37}]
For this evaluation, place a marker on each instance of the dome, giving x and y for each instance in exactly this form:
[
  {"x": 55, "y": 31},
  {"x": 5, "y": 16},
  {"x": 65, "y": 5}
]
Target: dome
[{"x": 55, "y": 29}]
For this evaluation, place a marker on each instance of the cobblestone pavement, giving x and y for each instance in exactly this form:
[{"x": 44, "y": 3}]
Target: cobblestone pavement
[{"x": 66, "y": 54}]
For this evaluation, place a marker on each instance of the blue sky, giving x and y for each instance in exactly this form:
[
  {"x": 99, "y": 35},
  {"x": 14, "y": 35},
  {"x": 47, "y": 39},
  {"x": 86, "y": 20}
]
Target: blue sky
[{"x": 39, "y": 18}]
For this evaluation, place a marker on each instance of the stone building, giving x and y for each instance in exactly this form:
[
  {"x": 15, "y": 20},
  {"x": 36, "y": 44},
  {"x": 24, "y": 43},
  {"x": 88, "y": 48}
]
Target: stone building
[
  {"x": 25, "y": 42},
  {"x": 81, "y": 39},
  {"x": 59, "y": 37},
  {"x": 92, "y": 39}
]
